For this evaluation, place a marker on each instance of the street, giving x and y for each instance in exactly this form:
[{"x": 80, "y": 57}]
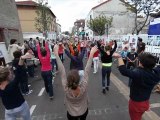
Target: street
[{"x": 112, "y": 106}]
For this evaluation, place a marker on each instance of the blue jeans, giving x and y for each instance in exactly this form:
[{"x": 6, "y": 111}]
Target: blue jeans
[
  {"x": 21, "y": 111},
  {"x": 47, "y": 77},
  {"x": 106, "y": 71},
  {"x": 54, "y": 62}
]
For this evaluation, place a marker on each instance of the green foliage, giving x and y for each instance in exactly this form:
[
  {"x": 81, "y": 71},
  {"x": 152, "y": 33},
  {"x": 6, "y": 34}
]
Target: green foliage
[
  {"x": 98, "y": 24},
  {"x": 43, "y": 19}
]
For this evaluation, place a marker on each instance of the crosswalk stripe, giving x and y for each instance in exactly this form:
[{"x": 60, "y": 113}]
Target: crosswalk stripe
[
  {"x": 32, "y": 109},
  {"x": 41, "y": 92}
]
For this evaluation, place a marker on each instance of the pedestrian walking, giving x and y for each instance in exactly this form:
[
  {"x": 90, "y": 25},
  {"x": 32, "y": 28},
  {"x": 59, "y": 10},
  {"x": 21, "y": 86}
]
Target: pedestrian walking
[
  {"x": 46, "y": 67},
  {"x": 61, "y": 51},
  {"x": 144, "y": 78},
  {"x": 106, "y": 58},
  {"x": 95, "y": 61},
  {"x": 12, "y": 98},
  {"x": 76, "y": 98}
]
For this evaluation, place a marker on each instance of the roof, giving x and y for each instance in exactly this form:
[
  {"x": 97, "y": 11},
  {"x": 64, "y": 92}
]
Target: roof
[
  {"x": 100, "y": 4},
  {"x": 155, "y": 15},
  {"x": 26, "y": 3},
  {"x": 30, "y": 4}
]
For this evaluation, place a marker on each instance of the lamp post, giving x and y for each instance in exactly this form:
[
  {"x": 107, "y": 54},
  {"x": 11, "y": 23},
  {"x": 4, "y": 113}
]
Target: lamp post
[{"x": 106, "y": 29}]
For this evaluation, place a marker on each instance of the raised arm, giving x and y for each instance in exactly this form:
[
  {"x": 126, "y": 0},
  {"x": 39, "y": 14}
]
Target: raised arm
[
  {"x": 60, "y": 67},
  {"x": 20, "y": 67},
  {"x": 47, "y": 49},
  {"x": 88, "y": 65},
  {"x": 99, "y": 47},
  {"x": 38, "y": 50},
  {"x": 127, "y": 72},
  {"x": 115, "y": 47}
]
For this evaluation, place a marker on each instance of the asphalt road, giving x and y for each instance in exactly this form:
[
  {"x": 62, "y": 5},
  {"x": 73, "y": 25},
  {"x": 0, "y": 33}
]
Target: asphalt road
[{"x": 112, "y": 106}]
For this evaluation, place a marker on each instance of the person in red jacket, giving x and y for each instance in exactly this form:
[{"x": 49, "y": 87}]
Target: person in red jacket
[
  {"x": 46, "y": 68},
  {"x": 61, "y": 51},
  {"x": 95, "y": 61}
]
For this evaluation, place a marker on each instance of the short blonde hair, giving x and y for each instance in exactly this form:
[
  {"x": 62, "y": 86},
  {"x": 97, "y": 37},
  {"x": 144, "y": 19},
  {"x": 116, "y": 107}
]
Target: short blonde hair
[{"x": 4, "y": 73}]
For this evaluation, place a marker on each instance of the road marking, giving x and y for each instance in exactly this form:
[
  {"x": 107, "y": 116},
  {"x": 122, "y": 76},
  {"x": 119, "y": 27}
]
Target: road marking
[
  {"x": 154, "y": 105},
  {"x": 149, "y": 115},
  {"x": 41, "y": 92},
  {"x": 32, "y": 109}
]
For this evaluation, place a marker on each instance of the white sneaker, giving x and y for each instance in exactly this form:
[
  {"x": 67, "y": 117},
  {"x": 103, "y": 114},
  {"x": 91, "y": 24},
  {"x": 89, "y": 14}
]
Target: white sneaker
[
  {"x": 29, "y": 92},
  {"x": 94, "y": 72}
]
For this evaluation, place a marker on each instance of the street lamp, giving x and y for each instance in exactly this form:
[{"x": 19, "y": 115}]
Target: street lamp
[{"x": 106, "y": 29}]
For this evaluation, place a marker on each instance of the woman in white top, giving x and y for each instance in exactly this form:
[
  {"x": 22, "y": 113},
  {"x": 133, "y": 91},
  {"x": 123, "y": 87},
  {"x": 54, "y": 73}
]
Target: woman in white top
[{"x": 13, "y": 47}]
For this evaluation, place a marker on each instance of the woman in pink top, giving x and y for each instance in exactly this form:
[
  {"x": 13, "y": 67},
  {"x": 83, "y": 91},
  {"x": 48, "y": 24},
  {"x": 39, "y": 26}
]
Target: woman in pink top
[{"x": 44, "y": 57}]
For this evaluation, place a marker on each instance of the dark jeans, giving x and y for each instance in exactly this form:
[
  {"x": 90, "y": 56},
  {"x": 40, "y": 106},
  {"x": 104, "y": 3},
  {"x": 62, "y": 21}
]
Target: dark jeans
[
  {"x": 131, "y": 66},
  {"x": 31, "y": 70},
  {"x": 82, "y": 117},
  {"x": 47, "y": 77},
  {"x": 54, "y": 62},
  {"x": 106, "y": 71},
  {"x": 2, "y": 62},
  {"x": 61, "y": 57},
  {"x": 24, "y": 84}
]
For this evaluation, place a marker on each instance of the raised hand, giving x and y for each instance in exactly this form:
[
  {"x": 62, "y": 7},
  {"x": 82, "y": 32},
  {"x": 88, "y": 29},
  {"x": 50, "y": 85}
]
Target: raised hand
[
  {"x": 93, "y": 50},
  {"x": 56, "y": 48}
]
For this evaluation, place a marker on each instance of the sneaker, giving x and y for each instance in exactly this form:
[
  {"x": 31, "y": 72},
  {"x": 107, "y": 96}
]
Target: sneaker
[
  {"x": 94, "y": 72},
  {"x": 107, "y": 88},
  {"x": 52, "y": 80},
  {"x": 29, "y": 92},
  {"x": 29, "y": 85},
  {"x": 104, "y": 91},
  {"x": 51, "y": 98}
]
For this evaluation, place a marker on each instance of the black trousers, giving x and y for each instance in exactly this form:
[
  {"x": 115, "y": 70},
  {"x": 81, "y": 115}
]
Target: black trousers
[
  {"x": 2, "y": 62},
  {"x": 82, "y": 117}
]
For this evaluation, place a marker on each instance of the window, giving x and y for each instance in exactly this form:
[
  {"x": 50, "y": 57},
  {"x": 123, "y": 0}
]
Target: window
[
  {"x": 90, "y": 17},
  {"x": 1, "y": 35}
]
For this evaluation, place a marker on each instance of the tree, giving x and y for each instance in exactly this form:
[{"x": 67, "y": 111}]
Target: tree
[
  {"x": 98, "y": 24},
  {"x": 43, "y": 19},
  {"x": 142, "y": 9}
]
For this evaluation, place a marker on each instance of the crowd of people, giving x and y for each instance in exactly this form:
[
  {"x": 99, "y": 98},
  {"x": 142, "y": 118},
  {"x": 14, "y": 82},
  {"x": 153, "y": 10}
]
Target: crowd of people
[{"x": 135, "y": 64}]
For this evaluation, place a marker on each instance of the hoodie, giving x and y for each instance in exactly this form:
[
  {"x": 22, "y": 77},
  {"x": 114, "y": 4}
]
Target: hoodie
[
  {"x": 143, "y": 81},
  {"x": 12, "y": 48}
]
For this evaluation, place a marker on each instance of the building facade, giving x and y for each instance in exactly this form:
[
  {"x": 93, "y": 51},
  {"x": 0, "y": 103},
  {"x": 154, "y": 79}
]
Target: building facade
[
  {"x": 78, "y": 28},
  {"x": 27, "y": 15},
  {"x": 123, "y": 20},
  {"x": 9, "y": 26},
  {"x": 9, "y": 22}
]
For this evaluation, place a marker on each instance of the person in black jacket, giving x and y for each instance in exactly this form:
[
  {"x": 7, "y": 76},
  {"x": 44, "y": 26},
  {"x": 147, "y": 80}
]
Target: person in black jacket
[
  {"x": 106, "y": 58},
  {"x": 144, "y": 78},
  {"x": 12, "y": 98}
]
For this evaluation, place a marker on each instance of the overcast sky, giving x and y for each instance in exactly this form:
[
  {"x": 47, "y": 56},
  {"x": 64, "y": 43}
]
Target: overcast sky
[{"x": 68, "y": 11}]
